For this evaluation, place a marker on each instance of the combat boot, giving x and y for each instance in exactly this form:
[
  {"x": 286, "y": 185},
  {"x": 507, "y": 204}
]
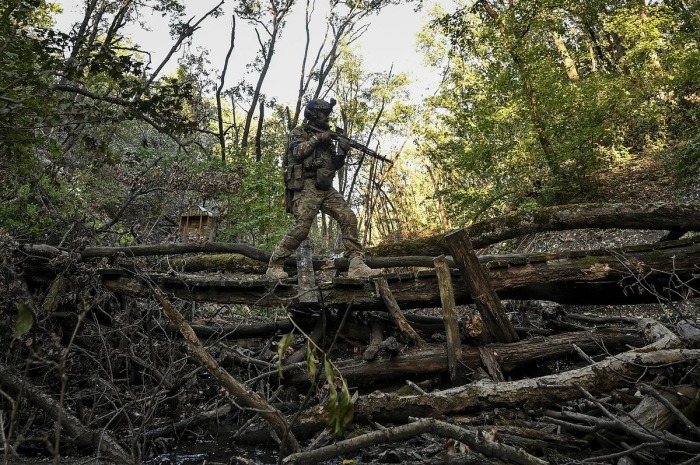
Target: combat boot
[
  {"x": 359, "y": 270},
  {"x": 275, "y": 271}
]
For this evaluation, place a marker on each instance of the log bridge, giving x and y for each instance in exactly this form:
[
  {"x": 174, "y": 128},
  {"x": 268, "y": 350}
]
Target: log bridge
[
  {"x": 662, "y": 271},
  {"x": 630, "y": 275}
]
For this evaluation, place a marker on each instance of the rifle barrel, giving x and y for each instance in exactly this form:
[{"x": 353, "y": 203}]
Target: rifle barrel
[{"x": 354, "y": 144}]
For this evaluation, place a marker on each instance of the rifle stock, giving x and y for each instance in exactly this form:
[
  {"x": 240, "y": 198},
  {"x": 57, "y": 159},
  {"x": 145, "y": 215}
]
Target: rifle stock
[{"x": 353, "y": 143}]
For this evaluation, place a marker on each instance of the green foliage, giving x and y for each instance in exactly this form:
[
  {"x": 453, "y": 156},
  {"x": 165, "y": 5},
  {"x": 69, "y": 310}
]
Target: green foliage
[
  {"x": 686, "y": 162},
  {"x": 25, "y": 320},
  {"x": 255, "y": 213},
  {"x": 284, "y": 344},
  {"x": 515, "y": 127},
  {"x": 27, "y": 49},
  {"x": 339, "y": 408},
  {"x": 374, "y": 109},
  {"x": 29, "y": 211},
  {"x": 67, "y": 104},
  {"x": 311, "y": 361}
]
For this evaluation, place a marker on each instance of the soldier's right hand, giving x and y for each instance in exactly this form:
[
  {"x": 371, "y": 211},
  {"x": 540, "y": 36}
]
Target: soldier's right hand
[{"x": 323, "y": 137}]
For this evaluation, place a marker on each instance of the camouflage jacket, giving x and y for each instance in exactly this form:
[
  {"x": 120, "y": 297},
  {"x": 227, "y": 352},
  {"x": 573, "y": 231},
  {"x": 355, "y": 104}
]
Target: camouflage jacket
[{"x": 305, "y": 149}]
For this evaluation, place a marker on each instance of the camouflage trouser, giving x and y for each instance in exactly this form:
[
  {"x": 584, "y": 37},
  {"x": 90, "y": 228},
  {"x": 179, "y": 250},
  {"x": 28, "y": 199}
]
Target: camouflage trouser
[{"x": 306, "y": 205}]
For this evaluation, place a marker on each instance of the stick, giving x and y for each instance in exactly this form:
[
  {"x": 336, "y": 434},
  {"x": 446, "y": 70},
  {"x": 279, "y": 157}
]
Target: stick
[
  {"x": 399, "y": 433},
  {"x": 246, "y": 397}
]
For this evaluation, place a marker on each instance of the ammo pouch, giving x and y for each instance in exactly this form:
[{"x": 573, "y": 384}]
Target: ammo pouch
[
  {"x": 324, "y": 178},
  {"x": 294, "y": 177}
]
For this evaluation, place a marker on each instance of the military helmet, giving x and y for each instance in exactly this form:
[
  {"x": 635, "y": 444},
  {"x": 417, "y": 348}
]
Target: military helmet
[{"x": 314, "y": 106}]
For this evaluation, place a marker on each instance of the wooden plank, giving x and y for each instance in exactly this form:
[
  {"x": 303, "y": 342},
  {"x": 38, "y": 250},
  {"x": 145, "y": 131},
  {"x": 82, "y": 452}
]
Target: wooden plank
[
  {"x": 449, "y": 313},
  {"x": 474, "y": 276},
  {"x": 488, "y": 359},
  {"x": 306, "y": 280}
]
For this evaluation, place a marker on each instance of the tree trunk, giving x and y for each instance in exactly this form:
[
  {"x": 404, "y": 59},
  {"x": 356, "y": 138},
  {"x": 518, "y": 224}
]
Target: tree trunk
[
  {"x": 267, "y": 51},
  {"x": 569, "y": 63}
]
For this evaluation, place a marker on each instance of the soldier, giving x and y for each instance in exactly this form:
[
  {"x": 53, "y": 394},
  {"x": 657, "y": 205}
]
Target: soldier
[{"x": 312, "y": 160}]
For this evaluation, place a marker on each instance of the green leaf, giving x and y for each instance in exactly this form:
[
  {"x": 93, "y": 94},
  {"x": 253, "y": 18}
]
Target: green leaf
[
  {"x": 286, "y": 341},
  {"x": 25, "y": 320},
  {"x": 311, "y": 361},
  {"x": 339, "y": 409},
  {"x": 328, "y": 370},
  {"x": 54, "y": 149},
  {"x": 345, "y": 411}
]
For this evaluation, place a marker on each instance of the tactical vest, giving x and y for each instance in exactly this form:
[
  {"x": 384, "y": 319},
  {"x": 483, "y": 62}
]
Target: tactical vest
[{"x": 320, "y": 164}]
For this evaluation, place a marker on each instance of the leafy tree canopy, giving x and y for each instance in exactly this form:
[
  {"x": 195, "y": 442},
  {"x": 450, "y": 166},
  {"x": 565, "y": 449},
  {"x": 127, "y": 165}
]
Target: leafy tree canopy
[{"x": 541, "y": 99}]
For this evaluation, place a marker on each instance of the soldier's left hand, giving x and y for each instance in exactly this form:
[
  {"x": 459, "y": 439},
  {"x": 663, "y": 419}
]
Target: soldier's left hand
[
  {"x": 344, "y": 145},
  {"x": 323, "y": 137}
]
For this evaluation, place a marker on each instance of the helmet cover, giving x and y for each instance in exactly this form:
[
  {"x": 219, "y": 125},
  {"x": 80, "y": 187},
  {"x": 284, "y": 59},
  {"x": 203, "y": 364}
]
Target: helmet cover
[{"x": 314, "y": 106}]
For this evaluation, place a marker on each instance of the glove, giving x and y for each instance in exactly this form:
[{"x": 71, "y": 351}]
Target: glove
[
  {"x": 324, "y": 137},
  {"x": 344, "y": 145}
]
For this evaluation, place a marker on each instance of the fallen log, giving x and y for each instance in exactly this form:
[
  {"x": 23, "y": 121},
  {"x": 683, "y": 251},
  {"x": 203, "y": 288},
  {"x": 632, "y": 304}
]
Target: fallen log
[
  {"x": 639, "y": 274},
  {"x": 652, "y": 216},
  {"x": 661, "y": 439},
  {"x": 239, "y": 331},
  {"x": 534, "y": 439},
  {"x": 375, "y": 339},
  {"x": 450, "y": 317},
  {"x": 659, "y": 410},
  {"x": 433, "y": 359},
  {"x": 178, "y": 427},
  {"x": 612, "y": 431},
  {"x": 396, "y": 313},
  {"x": 603, "y": 376}
]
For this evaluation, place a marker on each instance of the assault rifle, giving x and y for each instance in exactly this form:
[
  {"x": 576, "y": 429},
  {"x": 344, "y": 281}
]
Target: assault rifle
[{"x": 336, "y": 135}]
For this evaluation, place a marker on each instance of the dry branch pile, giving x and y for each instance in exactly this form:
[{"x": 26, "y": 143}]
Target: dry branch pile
[{"x": 130, "y": 377}]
